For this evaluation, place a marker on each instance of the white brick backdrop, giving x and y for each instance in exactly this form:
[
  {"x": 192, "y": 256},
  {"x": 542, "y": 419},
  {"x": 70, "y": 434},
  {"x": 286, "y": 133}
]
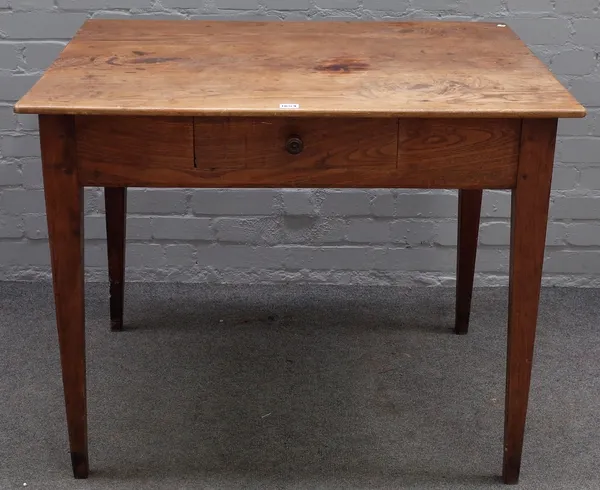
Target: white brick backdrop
[{"x": 371, "y": 236}]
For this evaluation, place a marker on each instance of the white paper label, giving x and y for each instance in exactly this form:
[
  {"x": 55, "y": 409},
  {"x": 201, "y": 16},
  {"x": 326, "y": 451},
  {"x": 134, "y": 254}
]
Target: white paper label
[{"x": 289, "y": 106}]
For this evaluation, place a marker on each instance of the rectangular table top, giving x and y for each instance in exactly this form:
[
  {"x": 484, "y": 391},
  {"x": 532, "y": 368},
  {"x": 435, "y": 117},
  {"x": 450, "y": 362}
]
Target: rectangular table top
[{"x": 370, "y": 69}]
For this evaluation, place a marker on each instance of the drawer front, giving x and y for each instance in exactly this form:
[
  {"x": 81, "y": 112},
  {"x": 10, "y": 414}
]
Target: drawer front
[
  {"x": 289, "y": 145},
  {"x": 458, "y": 153},
  {"x": 131, "y": 147},
  {"x": 298, "y": 152}
]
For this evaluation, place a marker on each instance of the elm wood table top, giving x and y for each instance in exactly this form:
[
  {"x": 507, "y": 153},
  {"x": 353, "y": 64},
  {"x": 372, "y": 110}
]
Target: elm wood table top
[
  {"x": 198, "y": 104},
  {"x": 378, "y": 69}
]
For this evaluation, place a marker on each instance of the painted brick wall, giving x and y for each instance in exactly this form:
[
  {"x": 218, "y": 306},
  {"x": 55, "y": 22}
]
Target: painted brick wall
[{"x": 404, "y": 237}]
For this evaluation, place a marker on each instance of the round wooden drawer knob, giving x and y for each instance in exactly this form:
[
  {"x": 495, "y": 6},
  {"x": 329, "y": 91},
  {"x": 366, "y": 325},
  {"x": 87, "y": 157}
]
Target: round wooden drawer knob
[{"x": 294, "y": 145}]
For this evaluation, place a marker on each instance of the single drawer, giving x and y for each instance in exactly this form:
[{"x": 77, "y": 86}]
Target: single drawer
[
  {"x": 298, "y": 152},
  {"x": 458, "y": 153},
  {"x": 288, "y": 145},
  {"x": 133, "y": 146}
]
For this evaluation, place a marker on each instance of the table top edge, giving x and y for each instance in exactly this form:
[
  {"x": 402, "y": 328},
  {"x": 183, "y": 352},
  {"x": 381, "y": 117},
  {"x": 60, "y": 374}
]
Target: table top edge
[{"x": 577, "y": 111}]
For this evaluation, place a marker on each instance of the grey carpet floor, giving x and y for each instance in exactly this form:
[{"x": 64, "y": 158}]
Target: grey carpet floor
[{"x": 293, "y": 387}]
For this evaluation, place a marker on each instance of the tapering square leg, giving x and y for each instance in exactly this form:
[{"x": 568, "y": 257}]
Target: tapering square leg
[
  {"x": 64, "y": 209},
  {"x": 530, "y": 200},
  {"x": 469, "y": 213},
  {"x": 115, "y": 200}
]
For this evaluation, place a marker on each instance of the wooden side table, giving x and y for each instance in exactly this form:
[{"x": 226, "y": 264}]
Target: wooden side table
[{"x": 249, "y": 104}]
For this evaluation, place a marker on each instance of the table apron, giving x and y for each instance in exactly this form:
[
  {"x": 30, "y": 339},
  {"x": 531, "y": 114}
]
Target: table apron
[{"x": 146, "y": 151}]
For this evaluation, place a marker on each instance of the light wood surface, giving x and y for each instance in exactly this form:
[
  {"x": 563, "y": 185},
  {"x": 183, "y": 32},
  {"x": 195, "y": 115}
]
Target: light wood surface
[{"x": 371, "y": 69}]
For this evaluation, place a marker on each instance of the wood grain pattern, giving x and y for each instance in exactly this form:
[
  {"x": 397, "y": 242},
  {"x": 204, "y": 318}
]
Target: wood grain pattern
[
  {"x": 439, "y": 153},
  {"x": 530, "y": 200},
  {"x": 350, "y": 177},
  {"x": 237, "y": 143},
  {"x": 156, "y": 143},
  {"x": 115, "y": 205},
  {"x": 379, "y": 69},
  {"x": 469, "y": 213},
  {"x": 64, "y": 209},
  {"x": 375, "y": 105},
  {"x": 449, "y": 151}
]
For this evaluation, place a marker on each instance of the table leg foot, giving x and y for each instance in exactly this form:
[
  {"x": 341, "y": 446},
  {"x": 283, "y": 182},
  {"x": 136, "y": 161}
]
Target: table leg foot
[
  {"x": 510, "y": 472},
  {"x": 81, "y": 466},
  {"x": 116, "y": 325}
]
